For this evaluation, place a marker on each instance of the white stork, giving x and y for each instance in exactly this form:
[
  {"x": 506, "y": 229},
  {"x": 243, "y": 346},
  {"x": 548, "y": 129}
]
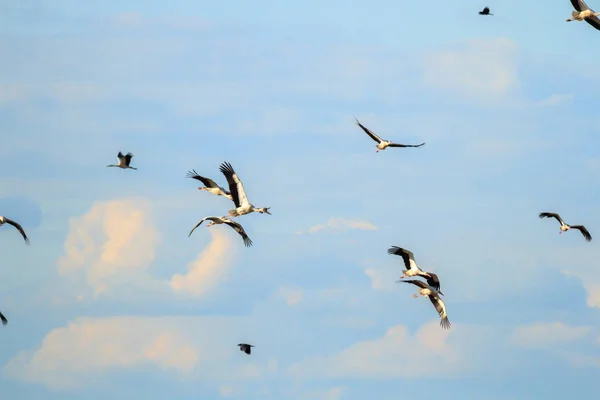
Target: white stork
[
  {"x": 3, "y": 319},
  {"x": 209, "y": 185},
  {"x": 124, "y": 161},
  {"x": 584, "y": 13},
  {"x": 412, "y": 269},
  {"x": 4, "y": 220},
  {"x": 227, "y": 221},
  {"x": 242, "y": 205},
  {"x": 433, "y": 295},
  {"x": 485, "y": 11},
  {"x": 246, "y": 348},
  {"x": 383, "y": 144},
  {"x": 565, "y": 227}
]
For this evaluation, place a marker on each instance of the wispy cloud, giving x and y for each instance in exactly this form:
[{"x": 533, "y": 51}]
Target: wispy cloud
[{"x": 341, "y": 224}]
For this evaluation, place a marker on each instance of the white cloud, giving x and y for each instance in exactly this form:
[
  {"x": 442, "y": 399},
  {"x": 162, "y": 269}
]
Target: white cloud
[
  {"x": 114, "y": 241},
  {"x": 341, "y": 224},
  {"x": 397, "y": 354},
  {"x": 555, "y": 100},
  {"x": 334, "y": 393},
  {"x": 206, "y": 271},
  {"x": 379, "y": 279},
  {"x": 481, "y": 69},
  {"x": 543, "y": 335},
  {"x": 68, "y": 355}
]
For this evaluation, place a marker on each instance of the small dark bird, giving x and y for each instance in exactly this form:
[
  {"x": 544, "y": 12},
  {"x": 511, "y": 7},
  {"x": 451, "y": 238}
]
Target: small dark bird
[
  {"x": 485, "y": 11},
  {"x": 124, "y": 161},
  {"x": 565, "y": 227},
  {"x": 246, "y": 348},
  {"x": 4, "y": 220},
  {"x": 3, "y": 319}
]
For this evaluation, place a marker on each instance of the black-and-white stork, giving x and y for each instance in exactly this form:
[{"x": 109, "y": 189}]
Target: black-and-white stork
[
  {"x": 412, "y": 269},
  {"x": 383, "y": 144},
  {"x": 565, "y": 227},
  {"x": 209, "y": 185},
  {"x": 584, "y": 13},
  {"x": 124, "y": 161},
  {"x": 242, "y": 205},
  {"x": 246, "y": 348},
  {"x": 485, "y": 11},
  {"x": 433, "y": 295},
  {"x": 3, "y": 319},
  {"x": 227, "y": 221},
  {"x": 4, "y": 220}
]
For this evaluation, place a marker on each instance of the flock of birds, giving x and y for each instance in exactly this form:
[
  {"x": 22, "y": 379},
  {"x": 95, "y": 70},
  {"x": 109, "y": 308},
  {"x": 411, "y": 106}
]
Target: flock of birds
[{"x": 429, "y": 288}]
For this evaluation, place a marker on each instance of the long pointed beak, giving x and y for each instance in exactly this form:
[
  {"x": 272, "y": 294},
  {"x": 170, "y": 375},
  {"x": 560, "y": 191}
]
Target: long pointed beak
[
  {"x": 440, "y": 293},
  {"x": 267, "y": 211}
]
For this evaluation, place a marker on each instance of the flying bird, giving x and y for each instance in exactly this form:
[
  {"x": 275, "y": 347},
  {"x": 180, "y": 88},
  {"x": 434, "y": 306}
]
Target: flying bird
[
  {"x": 412, "y": 269},
  {"x": 565, "y": 227},
  {"x": 433, "y": 295},
  {"x": 383, "y": 144},
  {"x": 246, "y": 348},
  {"x": 124, "y": 161},
  {"x": 225, "y": 220},
  {"x": 584, "y": 13},
  {"x": 209, "y": 185},
  {"x": 242, "y": 205},
  {"x": 4, "y": 220},
  {"x": 3, "y": 319},
  {"x": 485, "y": 11}
]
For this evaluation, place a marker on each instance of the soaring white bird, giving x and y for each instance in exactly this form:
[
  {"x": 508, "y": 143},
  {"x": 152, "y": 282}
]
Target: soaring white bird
[
  {"x": 242, "y": 205},
  {"x": 433, "y": 295},
  {"x": 124, "y": 161},
  {"x": 225, "y": 220},
  {"x": 246, "y": 348},
  {"x": 383, "y": 144},
  {"x": 209, "y": 185},
  {"x": 584, "y": 13},
  {"x": 4, "y": 220},
  {"x": 565, "y": 227},
  {"x": 3, "y": 319},
  {"x": 412, "y": 269}
]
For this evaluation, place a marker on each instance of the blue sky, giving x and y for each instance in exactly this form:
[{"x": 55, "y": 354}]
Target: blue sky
[{"x": 113, "y": 300}]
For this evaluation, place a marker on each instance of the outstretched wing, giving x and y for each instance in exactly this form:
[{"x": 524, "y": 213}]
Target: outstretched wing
[
  {"x": 579, "y": 5},
  {"x": 209, "y": 183},
  {"x": 235, "y": 185},
  {"x": 128, "y": 157},
  {"x": 432, "y": 280},
  {"x": 552, "y": 215},
  {"x": 3, "y": 319},
  {"x": 406, "y": 145},
  {"x": 19, "y": 228},
  {"x": 239, "y": 229},
  {"x": 368, "y": 132},
  {"x": 584, "y": 231},
  {"x": 407, "y": 256},
  {"x": 440, "y": 307},
  {"x": 593, "y": 21},
  {"x": 420, "y": 284},
  {"x": 200, "y": 223}
]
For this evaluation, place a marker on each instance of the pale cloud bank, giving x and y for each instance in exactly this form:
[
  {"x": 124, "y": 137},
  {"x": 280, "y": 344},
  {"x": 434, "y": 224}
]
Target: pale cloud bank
[
  {"x": 341, "y": 224},
  {"x": 544, "y": 335},
  {"x": 68, "y": 355},
  {"x": 397, "y": 354}
]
